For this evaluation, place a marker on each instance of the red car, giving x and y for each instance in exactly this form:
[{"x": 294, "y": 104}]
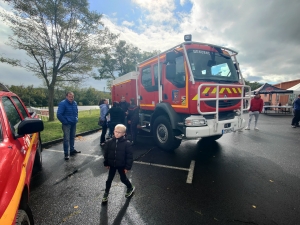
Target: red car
[{"x": 20, "y": 151}]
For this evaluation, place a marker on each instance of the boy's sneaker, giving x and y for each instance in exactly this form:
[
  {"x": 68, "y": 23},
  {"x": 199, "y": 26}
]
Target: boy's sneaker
[
  {"x": 247, "y": 128},
  {"x": 105, "y": 197},
  {"x": 129, "y": 191},
  {"x": 256, "y": 128}
]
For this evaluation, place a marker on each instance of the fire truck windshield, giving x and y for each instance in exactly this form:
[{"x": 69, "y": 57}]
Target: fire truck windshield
[{"x": 211, "y": 66}]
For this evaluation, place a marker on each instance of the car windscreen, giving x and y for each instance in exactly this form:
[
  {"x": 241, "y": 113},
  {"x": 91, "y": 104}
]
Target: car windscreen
[{"x": 211, "y": 66}]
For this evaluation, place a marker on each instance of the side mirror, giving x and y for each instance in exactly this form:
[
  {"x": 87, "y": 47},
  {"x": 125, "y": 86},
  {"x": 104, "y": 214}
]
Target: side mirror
[
  {"x": 30, "y": 126},
  {"x": 170, "y": 57},
  {"x": 170, "y": 71}
]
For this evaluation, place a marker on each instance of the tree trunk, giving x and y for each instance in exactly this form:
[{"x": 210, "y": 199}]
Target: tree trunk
[{"x": 50, "y": 103}]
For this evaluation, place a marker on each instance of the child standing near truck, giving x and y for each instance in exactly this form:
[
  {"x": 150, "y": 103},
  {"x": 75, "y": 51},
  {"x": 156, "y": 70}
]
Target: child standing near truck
[{"x": 118, "y": 157}]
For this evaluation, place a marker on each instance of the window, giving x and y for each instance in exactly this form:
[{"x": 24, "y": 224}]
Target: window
[
  {"x": 20, "y": 106},
  {"x": 178, "y": 79},
  {"x": 221, "y": 70},
  {"x": 211, "y": 66},
  {"x": 12, "y": 114},
  {"x": 146, "y": 77}
]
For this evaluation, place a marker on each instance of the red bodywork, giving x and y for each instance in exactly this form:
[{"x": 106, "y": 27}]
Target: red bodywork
[
  {"x": 16, "y": 161},
  {"x": 184, "y": 99},
  {"x": 125, "y": 86}
]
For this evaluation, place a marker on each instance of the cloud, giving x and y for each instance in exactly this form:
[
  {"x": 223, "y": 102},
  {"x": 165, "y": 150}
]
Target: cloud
[
  {"x": 266, "y": 34},
  {"x": 127, "y": 23},
  {"x": 157, "y": 11}
]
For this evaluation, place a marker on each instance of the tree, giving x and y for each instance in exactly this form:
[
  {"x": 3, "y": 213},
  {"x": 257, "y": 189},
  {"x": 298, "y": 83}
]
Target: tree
[
  {"x": 146, "y": 55},
  {"x": 63, "y": 39},
  {"x": 253, "y": 85},
  {"x": 121, "y": 59}
]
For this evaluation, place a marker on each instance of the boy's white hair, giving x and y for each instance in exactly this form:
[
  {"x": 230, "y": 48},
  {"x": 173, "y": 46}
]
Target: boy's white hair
[{"x": 121, "y": 127}]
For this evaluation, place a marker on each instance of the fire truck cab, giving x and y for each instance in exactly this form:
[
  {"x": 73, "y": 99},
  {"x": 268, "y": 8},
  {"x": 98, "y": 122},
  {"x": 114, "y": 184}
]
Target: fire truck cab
[{"x": 193, "y": 90}]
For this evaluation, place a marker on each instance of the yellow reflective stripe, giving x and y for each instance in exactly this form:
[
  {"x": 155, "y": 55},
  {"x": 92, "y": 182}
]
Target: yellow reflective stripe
[
  {"x": 146, "y": 105},
  {"x": 205, "y": 90},
  {"x": 222, "y": 90},
  {"x": 12, "y": 208},
  {"x": 228, "y": 90},
  {"x": 178, "y": 106}
]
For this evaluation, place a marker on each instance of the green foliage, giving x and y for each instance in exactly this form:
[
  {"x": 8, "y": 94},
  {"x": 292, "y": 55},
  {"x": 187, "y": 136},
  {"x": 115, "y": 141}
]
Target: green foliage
[
  {"x": 63, "y": 39},
  {"x": 253, "y": 85},
  {"x": 87, "y": 120},
  {"x": 37, "y": 97},
  {"x": 30, "y": 96},
  {"x": 122, "y": 58}
]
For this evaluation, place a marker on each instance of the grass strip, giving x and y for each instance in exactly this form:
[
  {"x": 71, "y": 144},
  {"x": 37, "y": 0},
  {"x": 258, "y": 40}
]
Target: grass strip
[{"x": 87, "y": 120}]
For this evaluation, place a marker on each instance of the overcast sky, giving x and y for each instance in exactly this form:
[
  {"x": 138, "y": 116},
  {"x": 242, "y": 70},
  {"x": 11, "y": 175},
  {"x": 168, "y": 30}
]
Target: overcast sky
[{"x": 265, "y": 33}]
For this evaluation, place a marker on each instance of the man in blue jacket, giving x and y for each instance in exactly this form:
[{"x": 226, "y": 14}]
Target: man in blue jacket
[{"x": 67, "y": 114}]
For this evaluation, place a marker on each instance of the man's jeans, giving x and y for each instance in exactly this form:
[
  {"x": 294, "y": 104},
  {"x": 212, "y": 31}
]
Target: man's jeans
[
  {"x": 254, "y": 114},
  {"x": 69, "y": 137}
]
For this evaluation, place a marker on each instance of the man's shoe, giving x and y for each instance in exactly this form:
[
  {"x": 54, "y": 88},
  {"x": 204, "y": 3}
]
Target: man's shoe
[
  {"x": 247, "y": 128},
  {"x": 256, "y": 128},
  {"x": 66, "y": 157},
  {"x": 129, "y": 191},
  {"x": 293, "y": 126},
  {"x": 74, "y": 152},
  {"x": 105, "y": 197}
]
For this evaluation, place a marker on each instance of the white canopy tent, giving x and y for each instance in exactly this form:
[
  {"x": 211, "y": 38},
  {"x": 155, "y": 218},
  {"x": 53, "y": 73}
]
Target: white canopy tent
[{"x": 295, "y": 89}]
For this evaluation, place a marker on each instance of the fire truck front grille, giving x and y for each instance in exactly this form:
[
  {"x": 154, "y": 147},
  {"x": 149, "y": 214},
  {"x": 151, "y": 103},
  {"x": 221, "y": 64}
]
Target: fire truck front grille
[
  {"x": 222, "y": 116},
  {"x": 222, "y": 103}
]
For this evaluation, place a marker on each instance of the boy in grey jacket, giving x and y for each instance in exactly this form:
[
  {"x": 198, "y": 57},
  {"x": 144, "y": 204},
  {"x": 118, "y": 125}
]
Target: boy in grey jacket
[{"x": 118, "y": 157}]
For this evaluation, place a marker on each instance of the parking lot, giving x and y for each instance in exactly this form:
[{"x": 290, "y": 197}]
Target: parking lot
[{"x": 249, "y": 177}]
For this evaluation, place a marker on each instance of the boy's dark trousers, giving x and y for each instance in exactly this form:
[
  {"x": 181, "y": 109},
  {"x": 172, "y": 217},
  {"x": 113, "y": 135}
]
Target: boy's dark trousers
[{"x": 111, "y": 175}]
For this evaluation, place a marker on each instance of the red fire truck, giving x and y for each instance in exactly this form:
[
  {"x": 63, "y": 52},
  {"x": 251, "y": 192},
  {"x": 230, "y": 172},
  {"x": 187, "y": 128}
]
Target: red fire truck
[{"x": 193, "y": 90}]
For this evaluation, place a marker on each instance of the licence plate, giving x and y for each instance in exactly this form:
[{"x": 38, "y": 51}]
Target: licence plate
[{"x": 227, "y": 130}]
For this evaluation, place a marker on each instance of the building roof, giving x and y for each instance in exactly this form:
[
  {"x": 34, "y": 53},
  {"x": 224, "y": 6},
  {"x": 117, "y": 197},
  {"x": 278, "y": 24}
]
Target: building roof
[{"x": 295, "y": 89}]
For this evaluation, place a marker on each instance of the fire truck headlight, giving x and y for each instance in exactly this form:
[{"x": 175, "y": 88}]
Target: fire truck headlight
[{"x": 195, "y": 122}]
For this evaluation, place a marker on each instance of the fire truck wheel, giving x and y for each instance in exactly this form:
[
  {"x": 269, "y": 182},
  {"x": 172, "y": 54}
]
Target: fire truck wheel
[
  {"x": 164, "y": 135},
  {"x": 24, "y": 217},
  {"x": 38, "y": 160}
]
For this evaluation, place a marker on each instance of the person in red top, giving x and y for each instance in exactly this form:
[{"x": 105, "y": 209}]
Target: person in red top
[{"x": 256, "y": 106}]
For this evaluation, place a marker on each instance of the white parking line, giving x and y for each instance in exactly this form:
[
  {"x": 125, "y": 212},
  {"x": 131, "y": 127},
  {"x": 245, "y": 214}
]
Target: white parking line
[
  {"x": 60, "y": 151},
  {"x": 190, "y": 174},
  {"x": 190, "y": 170}
]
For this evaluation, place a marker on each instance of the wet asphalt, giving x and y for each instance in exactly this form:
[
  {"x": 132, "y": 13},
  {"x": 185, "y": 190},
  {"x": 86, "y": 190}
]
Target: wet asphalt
[{"x": 249, "y": 177}]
